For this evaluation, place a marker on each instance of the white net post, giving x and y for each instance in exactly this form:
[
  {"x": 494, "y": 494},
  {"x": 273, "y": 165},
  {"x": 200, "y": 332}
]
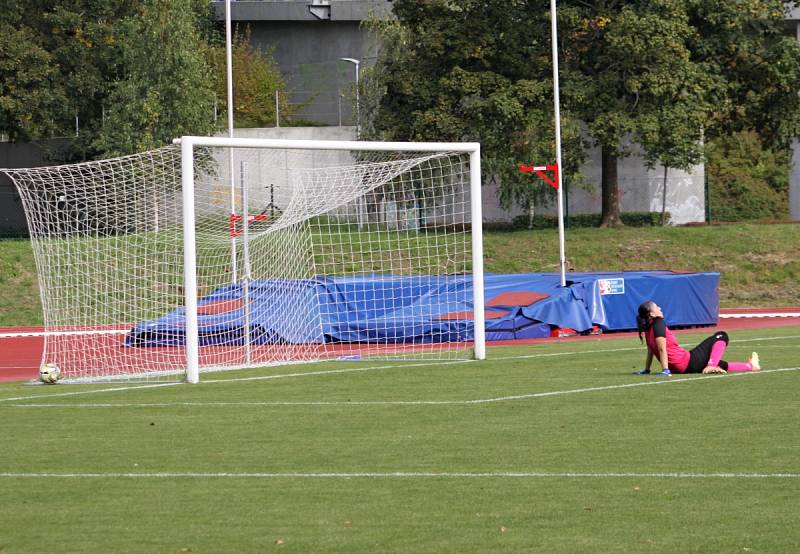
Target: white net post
[
  {"x": 477, "y": 252},
  {"x": 190, "y": 263}
]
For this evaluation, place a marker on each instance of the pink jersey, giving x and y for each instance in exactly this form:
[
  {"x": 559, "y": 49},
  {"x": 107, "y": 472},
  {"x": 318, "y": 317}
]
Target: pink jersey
[{"x": 677, "y": 357}]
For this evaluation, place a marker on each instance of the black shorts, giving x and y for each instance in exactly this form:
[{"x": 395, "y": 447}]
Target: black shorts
[{"x": 699, "y": 355}]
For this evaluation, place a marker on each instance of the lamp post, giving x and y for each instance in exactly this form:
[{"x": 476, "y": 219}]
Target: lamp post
[{"x": 358, "y": 104}]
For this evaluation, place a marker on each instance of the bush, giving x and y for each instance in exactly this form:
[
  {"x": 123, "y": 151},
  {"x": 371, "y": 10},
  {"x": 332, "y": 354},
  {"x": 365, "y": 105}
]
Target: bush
[
  {"x": 747, "y": 181},
  {"x": 631, "y": 219}
]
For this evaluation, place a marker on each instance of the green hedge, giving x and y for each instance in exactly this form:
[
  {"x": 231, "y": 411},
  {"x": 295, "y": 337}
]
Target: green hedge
[
  {"x": 747, "y": 181},
  {"x": 631, "y": 219}
]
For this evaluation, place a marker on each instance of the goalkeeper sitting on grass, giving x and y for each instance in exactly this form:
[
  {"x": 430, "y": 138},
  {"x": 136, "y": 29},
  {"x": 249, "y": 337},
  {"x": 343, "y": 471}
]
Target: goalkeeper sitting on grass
[{"x": 662, "y": 345}]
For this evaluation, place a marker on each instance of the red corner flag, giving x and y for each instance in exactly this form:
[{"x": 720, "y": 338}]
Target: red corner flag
[{"x": 540, "y": 171}]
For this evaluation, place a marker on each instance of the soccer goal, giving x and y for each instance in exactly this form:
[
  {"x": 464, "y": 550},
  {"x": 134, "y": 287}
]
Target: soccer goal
[{"x": 225, "y": 253}]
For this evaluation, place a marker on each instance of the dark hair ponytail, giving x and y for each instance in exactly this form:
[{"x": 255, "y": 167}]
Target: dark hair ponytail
[{"x": 643, "y": 320}]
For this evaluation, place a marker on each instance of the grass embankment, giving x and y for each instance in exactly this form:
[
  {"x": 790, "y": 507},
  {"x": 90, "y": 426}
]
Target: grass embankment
[{"x": 760, "y": 264}]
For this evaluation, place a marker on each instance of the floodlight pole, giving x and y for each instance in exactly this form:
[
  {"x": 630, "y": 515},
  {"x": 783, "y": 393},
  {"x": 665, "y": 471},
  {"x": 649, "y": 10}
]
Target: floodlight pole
[
  {"x": 557, "y": 108},
  {"x": 358, "y": 104},
  {"x": 229, "y": 70}
]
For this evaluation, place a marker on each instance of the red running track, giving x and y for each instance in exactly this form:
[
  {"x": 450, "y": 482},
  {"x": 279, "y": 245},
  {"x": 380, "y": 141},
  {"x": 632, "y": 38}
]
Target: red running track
[{"x": 21, "y": 348}]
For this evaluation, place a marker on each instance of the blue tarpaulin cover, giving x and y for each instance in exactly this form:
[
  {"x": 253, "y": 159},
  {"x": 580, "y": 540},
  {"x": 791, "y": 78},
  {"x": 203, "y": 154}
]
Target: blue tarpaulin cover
[{"x": 420, "y": 309}]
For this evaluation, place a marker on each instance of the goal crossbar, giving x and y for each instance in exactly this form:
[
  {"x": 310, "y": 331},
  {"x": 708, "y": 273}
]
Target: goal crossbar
[{"x": 300, "y": 144}]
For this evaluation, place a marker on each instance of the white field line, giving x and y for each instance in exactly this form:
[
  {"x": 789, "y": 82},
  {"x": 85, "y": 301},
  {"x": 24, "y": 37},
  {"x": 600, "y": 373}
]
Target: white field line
[
  {"x": 231, "y": 380},
  {"x": 760, "y": 339},
  {"x": 207, "y": 381},
  {"x": 94, "y": 391},
  {"x": 402, "y": 475},
  {"x": 651, "y": 381},
  {"x": 759, "y": 315}
]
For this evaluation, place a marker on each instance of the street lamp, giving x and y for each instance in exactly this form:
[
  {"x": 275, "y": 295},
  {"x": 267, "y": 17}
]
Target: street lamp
[{"x": 358, "y": 105}]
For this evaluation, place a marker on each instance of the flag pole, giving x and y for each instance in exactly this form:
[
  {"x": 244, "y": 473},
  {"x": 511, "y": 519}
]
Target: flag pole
[
  {"x": 229, "y": 78},
  {"x": 557, "y": 108}
]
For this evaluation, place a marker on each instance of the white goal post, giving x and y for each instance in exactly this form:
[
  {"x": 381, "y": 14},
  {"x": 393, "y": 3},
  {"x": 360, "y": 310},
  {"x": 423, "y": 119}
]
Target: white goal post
[
  {"x": 226, "y": 253},
  {"x": 188, "y": 145}
]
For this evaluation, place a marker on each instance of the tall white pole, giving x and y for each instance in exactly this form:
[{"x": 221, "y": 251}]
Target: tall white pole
[
  {"x": 358, "y": 103},
  {"x": 189, "y": 262},
  {"x": 476, "y": 210},
  {"x": 358, "y": 100},
  {"x": 557, "y": 108},
  {"x": 229, "y": 76}
]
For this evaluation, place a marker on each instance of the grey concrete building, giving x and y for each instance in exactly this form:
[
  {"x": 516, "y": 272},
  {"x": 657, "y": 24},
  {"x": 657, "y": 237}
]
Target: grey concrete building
[{"x": 307, "y": 39}]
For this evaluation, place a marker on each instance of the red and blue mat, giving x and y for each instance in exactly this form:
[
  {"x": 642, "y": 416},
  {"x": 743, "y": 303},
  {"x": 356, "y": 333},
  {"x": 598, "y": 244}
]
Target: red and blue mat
[{"x": 435, "y": 308}]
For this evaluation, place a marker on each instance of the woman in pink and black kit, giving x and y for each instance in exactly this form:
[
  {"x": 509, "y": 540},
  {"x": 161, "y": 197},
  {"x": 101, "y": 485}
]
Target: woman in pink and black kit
[{"x": 662, "y": 345}]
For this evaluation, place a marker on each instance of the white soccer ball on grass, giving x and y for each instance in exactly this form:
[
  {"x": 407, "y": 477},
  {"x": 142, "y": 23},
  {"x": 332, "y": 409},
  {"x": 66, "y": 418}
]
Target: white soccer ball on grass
[{"x": 49, "y": 374}]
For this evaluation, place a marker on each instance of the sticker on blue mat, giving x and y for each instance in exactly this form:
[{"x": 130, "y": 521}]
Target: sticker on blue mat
[{"x": 611, "y": 286}]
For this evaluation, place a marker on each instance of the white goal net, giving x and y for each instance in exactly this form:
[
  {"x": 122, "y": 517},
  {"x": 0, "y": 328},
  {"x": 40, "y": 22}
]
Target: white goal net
[{"x": 232, "y": 253}]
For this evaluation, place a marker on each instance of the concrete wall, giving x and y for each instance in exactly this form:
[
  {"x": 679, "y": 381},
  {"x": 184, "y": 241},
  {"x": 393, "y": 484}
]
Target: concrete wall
[
  {"x": 307, "y": 51},
  {"x": 642, "y": 189},
  {"x": 794, "y": 183},
  {"x": 271, "y": 169},
  {"x": 320, "y": 85},
  {"x": 298, "y": 10},
  {"x": 12, "y": 155},
  {"x": 297, "y": 133}
]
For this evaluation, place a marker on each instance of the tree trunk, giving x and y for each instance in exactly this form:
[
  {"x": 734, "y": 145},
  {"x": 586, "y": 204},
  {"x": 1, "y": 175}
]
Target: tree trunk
[{"x": 610, "y": 190}]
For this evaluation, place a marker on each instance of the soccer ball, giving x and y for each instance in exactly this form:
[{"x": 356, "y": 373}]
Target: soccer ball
[{"x": 49, "y": 374}]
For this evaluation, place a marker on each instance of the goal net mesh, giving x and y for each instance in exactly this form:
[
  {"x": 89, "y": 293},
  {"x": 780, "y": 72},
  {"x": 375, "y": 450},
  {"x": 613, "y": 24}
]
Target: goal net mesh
[{"x": 301, "y": 255}]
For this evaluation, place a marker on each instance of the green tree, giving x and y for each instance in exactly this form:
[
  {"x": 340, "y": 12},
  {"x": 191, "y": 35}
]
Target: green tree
[
  {"x": 256, "y": 79},
  {"x": 30, "y": 103},
  {"x": 75, "y": 44},
  {"x": 632, "y": 80},
  {"x": 756, "y": 66},
  {"x": 655, "y": 75},
  {"x": 471, "y": 71},
  {"x": 166, "y": 88},
  {"x": 746, "y": 180},
  {"x": 131, "y": 71}
]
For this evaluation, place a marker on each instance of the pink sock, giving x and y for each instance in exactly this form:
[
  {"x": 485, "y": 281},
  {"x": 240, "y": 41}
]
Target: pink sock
[
  {"x": 739, "y": 366},
  {"x": 717, "y": 350}
]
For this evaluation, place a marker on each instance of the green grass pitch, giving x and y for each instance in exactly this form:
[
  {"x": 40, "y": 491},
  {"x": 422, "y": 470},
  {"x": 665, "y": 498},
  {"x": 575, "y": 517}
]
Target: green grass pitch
[{"x": 553, "y": 447}]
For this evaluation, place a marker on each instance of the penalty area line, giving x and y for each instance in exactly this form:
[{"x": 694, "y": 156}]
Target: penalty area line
[{"x": 403, "y": 475}]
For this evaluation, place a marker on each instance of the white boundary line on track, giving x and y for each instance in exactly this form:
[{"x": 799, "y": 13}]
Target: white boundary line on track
[
  {"x": 402, "y": 475},
  {"x": 759, "y": 315},
  {"x": 652, "y": 381},
  {"x": 25, "y": 334}
]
